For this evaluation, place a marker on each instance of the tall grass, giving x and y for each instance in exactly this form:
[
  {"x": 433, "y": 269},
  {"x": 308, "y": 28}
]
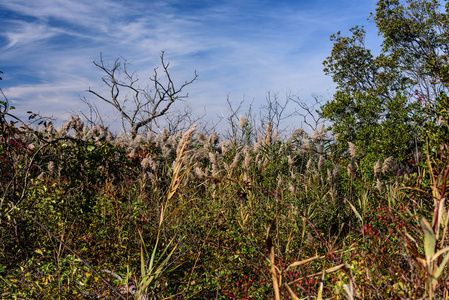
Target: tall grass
[{"x": 190, "y": 216}]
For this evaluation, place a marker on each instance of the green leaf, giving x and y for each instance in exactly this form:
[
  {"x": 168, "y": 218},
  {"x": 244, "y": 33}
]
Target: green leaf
[
  {"x": 441, "y": 267},
  {"x": 429, "y": 240}
]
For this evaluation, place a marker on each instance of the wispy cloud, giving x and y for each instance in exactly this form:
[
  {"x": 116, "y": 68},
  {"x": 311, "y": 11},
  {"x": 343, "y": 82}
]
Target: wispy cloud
[{"x": 244, "y": 48}]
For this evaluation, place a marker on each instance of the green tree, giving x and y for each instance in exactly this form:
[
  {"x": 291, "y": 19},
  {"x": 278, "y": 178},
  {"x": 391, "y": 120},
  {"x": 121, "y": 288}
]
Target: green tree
[{"x": 381, "y": 103}]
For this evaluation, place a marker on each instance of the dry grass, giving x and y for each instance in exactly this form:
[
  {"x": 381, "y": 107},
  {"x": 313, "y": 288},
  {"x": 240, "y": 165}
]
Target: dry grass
[{"x": 272, "y": 219}]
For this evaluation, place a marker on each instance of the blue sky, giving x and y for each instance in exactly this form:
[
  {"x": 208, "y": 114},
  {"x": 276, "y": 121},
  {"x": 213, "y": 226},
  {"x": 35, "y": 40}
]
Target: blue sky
[{"x": 238, "y": 48}]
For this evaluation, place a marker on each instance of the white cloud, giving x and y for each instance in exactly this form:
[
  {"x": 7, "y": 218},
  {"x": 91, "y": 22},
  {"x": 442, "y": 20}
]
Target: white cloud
[
  {"x": 238, "y": 47},
  {"x": 26, "y": 33}
]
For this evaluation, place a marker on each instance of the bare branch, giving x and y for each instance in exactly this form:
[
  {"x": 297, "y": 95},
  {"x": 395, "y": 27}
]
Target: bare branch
[{"x": 147, "y": 104}]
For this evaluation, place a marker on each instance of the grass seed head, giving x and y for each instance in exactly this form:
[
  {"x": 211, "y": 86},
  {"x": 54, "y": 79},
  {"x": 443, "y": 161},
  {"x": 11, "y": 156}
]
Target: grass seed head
[
  {"x": 388, "y": 165},
  {"x": 165, "y": 134},
  {"x": 352, "y": 149},
  {"x": 268, "y": 133},
  {"x": 378, "y": 166},
  {"x": 309, "y": 164},
  {"x": 321, "y": 163},
  {"x": 242, "y": 121},
  {"x": 336, "y": 172},
  {"x": 298, "y": 133}
]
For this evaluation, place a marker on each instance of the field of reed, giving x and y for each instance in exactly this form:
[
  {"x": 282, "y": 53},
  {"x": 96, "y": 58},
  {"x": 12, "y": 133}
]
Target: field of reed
[{"x": 86, "y": 214}]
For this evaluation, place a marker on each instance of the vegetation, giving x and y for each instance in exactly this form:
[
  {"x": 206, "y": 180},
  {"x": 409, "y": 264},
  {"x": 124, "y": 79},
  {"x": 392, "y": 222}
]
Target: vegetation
[{"x": 86, "y": 214}]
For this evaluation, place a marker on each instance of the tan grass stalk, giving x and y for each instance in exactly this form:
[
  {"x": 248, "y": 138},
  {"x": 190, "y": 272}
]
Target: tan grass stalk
[
  {"x": 213, "y": 158},
  {"x": 213, "y": 138},
  {"x": 336, "y": 172},
  {"x": 242, "y": 121},
  {"x": 378, "y": 166},
  {"x": 352, "y": 149},
  {"x": 309, "y": 164},
  {"x": 201, "y": 137},
  {"x": 273, "y": 271},
  {"x": 307, "y": 143},
  {"x": 387, "y": 165},
  {"x": 235, "y": 161},
  {"x": 315, "y": 135},
  {"x": 321, "y": 163},
  {"x": 247, "y": 160},
  {"x": 268, "y": 133},
  {"x": 291, "y": 161},
  {"x": 351, "y": 167},
  {"x": 154, "y": 269},
  {"x": 165, "y": 135},
  {"x": 297, "y": 133}
]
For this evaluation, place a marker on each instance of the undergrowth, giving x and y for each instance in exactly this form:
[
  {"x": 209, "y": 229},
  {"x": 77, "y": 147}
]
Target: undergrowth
[{"x": 85, "y": 214}]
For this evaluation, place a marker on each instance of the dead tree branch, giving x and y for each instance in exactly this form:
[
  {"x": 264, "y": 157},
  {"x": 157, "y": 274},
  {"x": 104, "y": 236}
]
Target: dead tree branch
[{"x": 147, "y": 104}]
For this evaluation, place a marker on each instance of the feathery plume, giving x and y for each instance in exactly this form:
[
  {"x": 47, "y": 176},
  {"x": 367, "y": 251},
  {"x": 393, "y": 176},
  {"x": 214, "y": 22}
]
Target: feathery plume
[
  {"x": 49, "y": 125},
  {"x": 268, "y": 133},
  {"x": 257, "y": 147},
  {"x": 321, "y": 163},
  {"x": 201, "y": 137},
  {"x": 247, "y": 160},
  {"x": 165, "y": 134},
  {"x": 329, "y": 175},
  {"x": 67, "y": 126},
  {"x": 109, "y": 137},
  {"x": 378, "y": 166},
  {"x": 322, "y": 131},
  {"x": 297, "y": 133},
  {"x": 101, "y": 130},
  {"x": 352, "y": 149},
  {"x": 85, "y": 133},
  {"x": 145, "y": 163},
  {"x": 214, "y": 137},
  {"x": 336, "y": 172},
  {"x": 184, "y": 144},
  {"x": 380, "y": 185},
  {"x": 387, "y": 165},
  {"x": 242, "y": 121},
  {"x": 236, "y": 160},
  {"x": 309, "y": 164},
  {"x": 307, "y": 143},
  {"x": 199, "y": 172},
  {"x": 150, "y": 136},
  {"x": 315, "y": 134},
  {"x": 139, "y": 140},
  {"x": 212, "y": 158},
  {"x": 94, "y": 130}
]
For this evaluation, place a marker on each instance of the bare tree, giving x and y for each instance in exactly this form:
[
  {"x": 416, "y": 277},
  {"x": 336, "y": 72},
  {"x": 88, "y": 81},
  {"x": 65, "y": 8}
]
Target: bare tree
[
  {"x": 147, "y": 104},
  {"x": 275, "y": 111},
  {"x": 309, "y": 112}
]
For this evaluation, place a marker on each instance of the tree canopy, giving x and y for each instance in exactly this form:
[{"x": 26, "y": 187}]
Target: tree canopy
[{"x": 383, "y": 102}]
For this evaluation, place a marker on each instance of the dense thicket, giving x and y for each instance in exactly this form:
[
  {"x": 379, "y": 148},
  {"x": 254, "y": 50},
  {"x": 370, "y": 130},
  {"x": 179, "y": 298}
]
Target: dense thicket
[{"x": 87, "y": 214}]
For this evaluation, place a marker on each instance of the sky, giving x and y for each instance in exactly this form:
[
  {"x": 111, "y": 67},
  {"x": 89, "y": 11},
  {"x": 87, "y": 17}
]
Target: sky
[{"x": 240, "y": 49}]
